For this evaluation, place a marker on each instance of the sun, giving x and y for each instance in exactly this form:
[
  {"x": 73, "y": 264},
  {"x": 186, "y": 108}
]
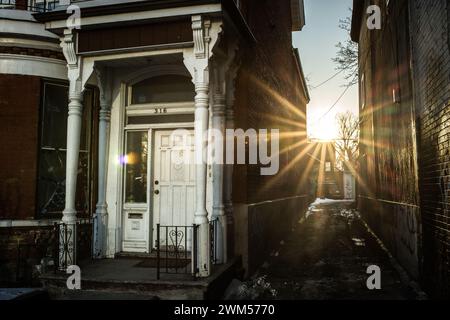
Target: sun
[{"x": 324, "y": 130}]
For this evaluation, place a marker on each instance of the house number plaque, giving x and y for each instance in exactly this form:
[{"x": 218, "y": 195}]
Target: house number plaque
[{"x": 160, "y": 110}]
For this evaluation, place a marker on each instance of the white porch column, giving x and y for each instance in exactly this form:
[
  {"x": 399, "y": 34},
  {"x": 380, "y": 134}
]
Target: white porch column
[
  {"x": 68, "y": 254},
  {"x": 196, "y": 60},
  {"x": 101, "y": 214},
  {"x": 229, "y": 168},
  {"x": 201, "y": 215},
  {"x": 218, "y": 125}
]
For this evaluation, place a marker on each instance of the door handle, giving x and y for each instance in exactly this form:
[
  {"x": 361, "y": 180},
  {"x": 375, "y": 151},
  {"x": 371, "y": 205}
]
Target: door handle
[{"x": 156, "y": 192}]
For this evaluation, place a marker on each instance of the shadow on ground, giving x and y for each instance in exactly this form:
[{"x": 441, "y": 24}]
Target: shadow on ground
[{"x": 326, "y": 257}]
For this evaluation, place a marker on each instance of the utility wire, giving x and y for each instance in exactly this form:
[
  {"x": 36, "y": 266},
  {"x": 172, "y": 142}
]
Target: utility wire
[
  {"x": 334, "y": 104},
  {"x": 326, "y": 81}
]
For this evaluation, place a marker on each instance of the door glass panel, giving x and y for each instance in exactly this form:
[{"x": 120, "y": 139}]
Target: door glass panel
[{"x": 136, "y": 160}]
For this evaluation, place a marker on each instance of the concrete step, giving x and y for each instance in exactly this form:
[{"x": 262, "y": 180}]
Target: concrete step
[{"x": 112, "y": 280}]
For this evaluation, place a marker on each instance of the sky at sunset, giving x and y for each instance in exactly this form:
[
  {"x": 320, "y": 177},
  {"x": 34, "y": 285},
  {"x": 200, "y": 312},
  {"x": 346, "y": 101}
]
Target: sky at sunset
[{"x": 316, "y": 43}]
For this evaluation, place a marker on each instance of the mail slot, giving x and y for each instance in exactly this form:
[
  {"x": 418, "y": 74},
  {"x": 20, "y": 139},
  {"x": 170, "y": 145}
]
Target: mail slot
[{"x": 136, "y": 216}]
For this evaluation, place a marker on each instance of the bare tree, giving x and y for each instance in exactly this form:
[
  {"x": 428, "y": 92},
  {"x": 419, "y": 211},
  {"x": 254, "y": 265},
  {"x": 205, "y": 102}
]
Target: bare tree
[
  {"x": 347, "y": 54},
  {"x": 347, "y": 143}
]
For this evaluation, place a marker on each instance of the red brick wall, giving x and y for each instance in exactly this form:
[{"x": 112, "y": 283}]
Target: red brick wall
[
  {"x": 389, "y": 189},
  {"x": 405, "y": 194},
  {"x": 430, "y": 29},
  {"x": 21, "y": 4},
  {"x": 269, "y": 95},
  {"x": 19, "y": 118}
]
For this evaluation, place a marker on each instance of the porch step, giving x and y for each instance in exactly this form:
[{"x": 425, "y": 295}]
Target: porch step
[
  {"x": 141, "y": 256},
  {"x": 136, "y": 256},
  {"x": 116, "y": 280}
]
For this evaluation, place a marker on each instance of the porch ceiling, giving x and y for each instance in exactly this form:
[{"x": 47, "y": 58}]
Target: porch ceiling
[
  {"x": 168, "y": 59},
  {"x": 109, "y": 13}
]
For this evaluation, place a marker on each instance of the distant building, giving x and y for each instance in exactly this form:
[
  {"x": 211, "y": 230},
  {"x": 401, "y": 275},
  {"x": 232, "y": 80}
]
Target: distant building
[
  {"x": 326, "y": 180},
  {"x": 404, "y": 185}
]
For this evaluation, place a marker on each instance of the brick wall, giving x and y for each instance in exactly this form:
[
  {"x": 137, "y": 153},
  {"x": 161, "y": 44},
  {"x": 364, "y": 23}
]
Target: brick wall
[
  {"x": 404, "y": 194},
  {"x": 270, "y": 95},
  {"x": 19, "y": 118},
  {"x": 20, "y": 250},
  {"x": 389, "y": 188},
  {"x": 23, "y": 248},
  {"x": 431, "y": 59}
]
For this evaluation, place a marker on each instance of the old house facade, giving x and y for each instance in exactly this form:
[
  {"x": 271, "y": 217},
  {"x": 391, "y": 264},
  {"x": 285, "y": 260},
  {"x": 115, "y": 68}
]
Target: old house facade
[
  {"x": 326, "y": 180},
  {"x": 404, "y": 72},
  {"x": 91, "y": 119}
]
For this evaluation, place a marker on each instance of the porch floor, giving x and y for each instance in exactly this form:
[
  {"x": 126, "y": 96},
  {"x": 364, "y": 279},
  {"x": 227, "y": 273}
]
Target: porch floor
[{"x": 124, "y": 279}]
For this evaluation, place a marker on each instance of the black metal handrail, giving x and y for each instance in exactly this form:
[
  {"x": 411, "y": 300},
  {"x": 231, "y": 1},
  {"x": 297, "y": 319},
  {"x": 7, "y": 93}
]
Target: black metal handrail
[
  {"x": 66, "y": 244},
  {"x": 7, "y": 4},
  {"x": 176, "y": 250},
  {"x": 43, "y": 6},
  {"x": 33, "y": 6},
  {"x": 214, "y": 230},
  {"x": 71, "y": 238},
  {"x": 46, "y": 249}
]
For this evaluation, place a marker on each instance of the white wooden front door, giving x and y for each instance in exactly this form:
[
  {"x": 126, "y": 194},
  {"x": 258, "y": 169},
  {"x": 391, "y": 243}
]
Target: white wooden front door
[{"x": 173, "y": 183}]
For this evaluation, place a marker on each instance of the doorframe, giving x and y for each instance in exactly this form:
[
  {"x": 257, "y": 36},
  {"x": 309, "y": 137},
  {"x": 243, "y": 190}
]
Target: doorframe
[{"x": 151, "y": 128}]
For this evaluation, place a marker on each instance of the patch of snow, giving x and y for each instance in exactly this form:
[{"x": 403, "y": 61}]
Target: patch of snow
[
  {"x": 359, "y": 242},
  {"x": 320, "y": 201},
  {"x": 315, "y": 206},
  {"x": 256, "y": 289}
]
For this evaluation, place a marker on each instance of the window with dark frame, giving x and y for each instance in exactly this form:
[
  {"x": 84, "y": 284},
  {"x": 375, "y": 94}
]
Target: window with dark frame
[
  {"x": 163, "y": 89},
  {"x": 51, "y": 183}
]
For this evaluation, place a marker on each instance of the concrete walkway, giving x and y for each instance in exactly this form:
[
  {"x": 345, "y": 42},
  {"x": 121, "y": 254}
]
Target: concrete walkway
[{"x": 327, "y": 256}]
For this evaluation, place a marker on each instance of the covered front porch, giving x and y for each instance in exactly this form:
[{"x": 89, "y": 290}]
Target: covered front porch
[{"x": 159, "y": 97}]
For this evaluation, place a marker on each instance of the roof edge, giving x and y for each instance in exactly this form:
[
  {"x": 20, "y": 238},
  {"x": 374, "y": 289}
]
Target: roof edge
[
  {"x": 357, "y": 12},
  {"x": 298, "y": 61}
]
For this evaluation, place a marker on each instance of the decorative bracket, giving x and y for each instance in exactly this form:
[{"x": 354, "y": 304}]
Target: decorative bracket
[
  {"x": 104, "y": 84},
  {"x": 202, "y": 38},
  {"x": 205, "y": 35},
  {"x": 73, "y": 63},
  {"x": 68, "y": 47}
]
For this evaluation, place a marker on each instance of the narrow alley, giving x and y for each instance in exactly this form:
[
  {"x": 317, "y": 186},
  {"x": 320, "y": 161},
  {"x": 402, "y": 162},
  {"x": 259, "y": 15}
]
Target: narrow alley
[{"x": 327, "y": 256}]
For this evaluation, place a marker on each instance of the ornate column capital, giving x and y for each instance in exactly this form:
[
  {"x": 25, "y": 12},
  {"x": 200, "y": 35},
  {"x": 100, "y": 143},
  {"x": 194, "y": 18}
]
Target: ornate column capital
[
  {"x": 104, "y": 79},
  {"x": 205, "y": 35}
]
